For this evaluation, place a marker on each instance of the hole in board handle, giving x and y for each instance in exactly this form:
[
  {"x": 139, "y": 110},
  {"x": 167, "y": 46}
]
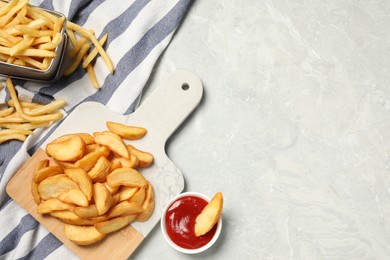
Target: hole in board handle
[{"x": 185, "y": 86}]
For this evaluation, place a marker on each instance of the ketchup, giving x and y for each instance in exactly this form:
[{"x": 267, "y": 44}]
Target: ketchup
[{"x": 180, "y": 221}]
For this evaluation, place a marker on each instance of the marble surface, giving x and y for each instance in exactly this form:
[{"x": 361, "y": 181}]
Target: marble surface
[{"x": 294, "y": 127}]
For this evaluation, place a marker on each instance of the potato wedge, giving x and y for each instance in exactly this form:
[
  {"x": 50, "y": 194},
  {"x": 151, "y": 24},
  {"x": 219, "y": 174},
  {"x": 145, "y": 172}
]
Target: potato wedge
[
  {"x": 139, "y": 197},
  {"x": 83, "y": 235},
  {"x": 34, "y": 185},
  {"x": 69, "y": 217},
  {"x": 113, "y": 141},
  {"x": 127, "y": 131},
  {"x": 113, "y": 190},
  {"x": 51, "y": 205},
  {"x": 115, "y": 199},
  {"x": 124, "y": 208},
  {"x": 145, "y": 158},
  {"x": 126, "y": 176},
  {"x": 65, "y": 165},
  {"x": 115, "y": 164},
  {"x": 86, "y": 212},
  {"x": 114, "y": 224},
  {"x": 104, "y": 151},
  {"x": 88, "y": 139},
  {"x": 35, "y": 193},
  {"x": 100, "y": 170},
  {"x": 90, "y": 148},
  {"x": 88, "y": 161},
  {"x": 52, "y": 187},
  {"x": 102, "y": 198},
  {"x": 82, "y": 179},
  {"x": 47, "y": 172},
  {"x": 42, "y": 164},
  {"x": 126, "y": 163},
  {"x": 209, "y": 216},
  {"x": 147, "y": 206},
  {"x": 68, "y": 150},
  {"x": 74, "y": 196},
  {"x": 126, "y": 192}
]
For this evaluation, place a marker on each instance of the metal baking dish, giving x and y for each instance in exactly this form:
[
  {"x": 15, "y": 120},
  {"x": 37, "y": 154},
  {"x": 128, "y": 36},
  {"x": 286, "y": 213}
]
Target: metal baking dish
[{"x": 51, "y": 74}]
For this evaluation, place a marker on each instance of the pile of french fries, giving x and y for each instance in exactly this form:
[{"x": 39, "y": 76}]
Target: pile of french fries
[
  {"x": 20, "y": 118},
  {"x": 81, "y": 53},
  {"x": 95, "y": 186},
  {"x": 28, "y": 35}
]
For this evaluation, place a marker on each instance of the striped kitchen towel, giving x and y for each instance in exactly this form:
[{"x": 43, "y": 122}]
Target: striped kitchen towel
[{"x": 139, "y": 31}]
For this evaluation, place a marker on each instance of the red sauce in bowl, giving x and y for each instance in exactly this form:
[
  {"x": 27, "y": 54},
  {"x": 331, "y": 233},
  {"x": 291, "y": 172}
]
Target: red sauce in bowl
[{"x": 180, "y": 221}]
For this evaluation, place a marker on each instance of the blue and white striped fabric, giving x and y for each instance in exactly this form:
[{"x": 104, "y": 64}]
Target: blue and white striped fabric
[{"x": 139, "y": 31}]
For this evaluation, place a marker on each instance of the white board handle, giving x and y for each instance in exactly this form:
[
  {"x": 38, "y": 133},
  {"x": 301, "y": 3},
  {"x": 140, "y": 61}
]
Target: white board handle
[{"x": 170, "y": 103}]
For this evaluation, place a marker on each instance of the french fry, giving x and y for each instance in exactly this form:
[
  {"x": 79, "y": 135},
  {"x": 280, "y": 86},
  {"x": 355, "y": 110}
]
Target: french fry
[
  {"x": 72, "y": 68},
  {"x": 92, "y": 76},
  {"x": 32, "y": 119},
  {"x": 45, "y": 109},
  {"x": 4, "y": 19},
  {"x": 24, "y": 104},
  {"x": 6, "y": 112},
  {"x": 23, "y": 126},
  {"x": 94, "y": 52},
  {"x": 77, "y": 44},
  {"x": 95, "y": 42},
  {"x": 15, "y": 131},
  {"x": 22, "y": 45},
  {"x": 7, "y": 7},
  {"x": 9, "y": 137}
]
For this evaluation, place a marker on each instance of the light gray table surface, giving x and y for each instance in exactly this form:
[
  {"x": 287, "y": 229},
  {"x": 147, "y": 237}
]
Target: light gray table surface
[{"x": 293, "y": 128}]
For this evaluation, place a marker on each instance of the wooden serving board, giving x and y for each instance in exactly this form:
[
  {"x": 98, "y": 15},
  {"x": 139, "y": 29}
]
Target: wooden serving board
[{"x": 161, "y": 113}]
